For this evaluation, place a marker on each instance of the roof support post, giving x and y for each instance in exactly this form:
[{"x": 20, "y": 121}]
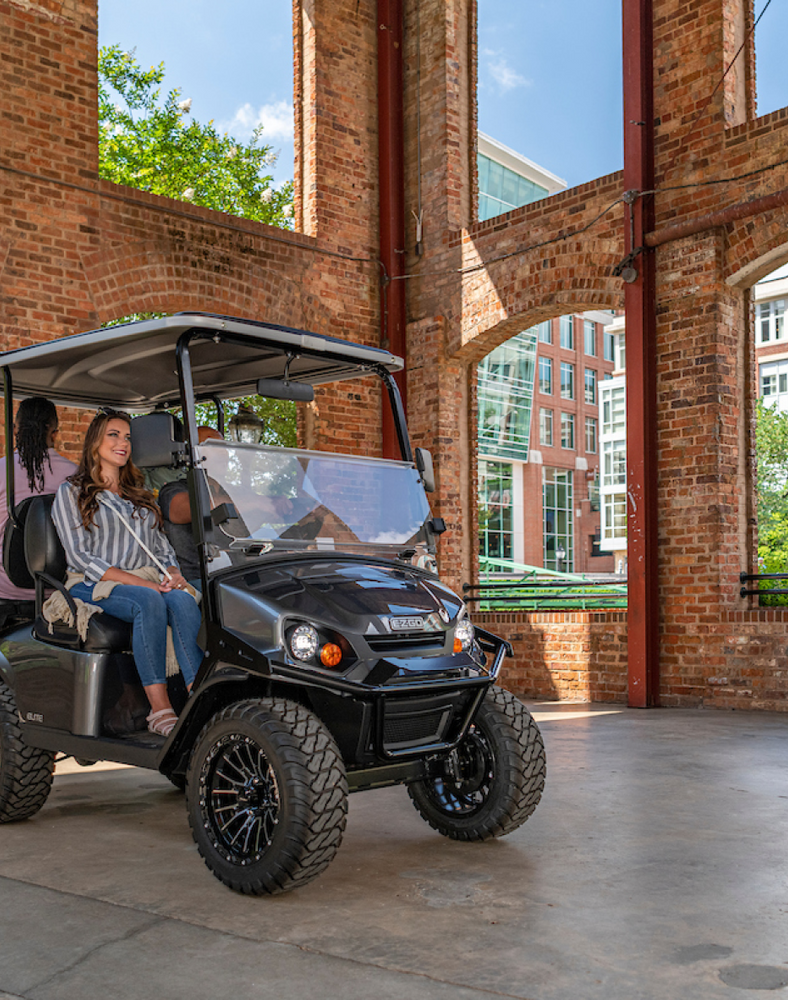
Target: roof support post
[
  {"x": 640, "y": 304},
  {"x": 391, "y": 204}
]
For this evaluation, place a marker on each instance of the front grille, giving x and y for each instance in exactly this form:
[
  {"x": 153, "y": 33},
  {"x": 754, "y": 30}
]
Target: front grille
[
  {"x": 412, "y": 728},
  {"x": 404, "y": 645}
]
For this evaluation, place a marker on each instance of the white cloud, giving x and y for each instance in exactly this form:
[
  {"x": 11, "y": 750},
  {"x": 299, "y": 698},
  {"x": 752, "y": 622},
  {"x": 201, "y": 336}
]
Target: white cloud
[
  {"x": 503, "y": 74},
  {"x": 276, "y": 119}
]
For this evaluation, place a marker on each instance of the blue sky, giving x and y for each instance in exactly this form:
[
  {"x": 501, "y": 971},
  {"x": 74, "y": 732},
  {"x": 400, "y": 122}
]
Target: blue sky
[{"x": 549, "y": 71}]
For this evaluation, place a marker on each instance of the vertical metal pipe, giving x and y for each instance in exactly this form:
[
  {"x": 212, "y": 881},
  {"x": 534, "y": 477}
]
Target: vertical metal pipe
[
  {"x": 640, "y": 303},
  {"x": 391, "y": 204}
]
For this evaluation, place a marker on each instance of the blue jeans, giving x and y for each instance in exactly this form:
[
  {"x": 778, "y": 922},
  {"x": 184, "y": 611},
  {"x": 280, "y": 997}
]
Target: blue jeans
[{"x": 150, "y": 613}]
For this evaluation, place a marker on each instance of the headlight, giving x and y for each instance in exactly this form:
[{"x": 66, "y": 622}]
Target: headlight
[
  {"x": 303, "y": 642},
  {"x": 464, "y": 635}
]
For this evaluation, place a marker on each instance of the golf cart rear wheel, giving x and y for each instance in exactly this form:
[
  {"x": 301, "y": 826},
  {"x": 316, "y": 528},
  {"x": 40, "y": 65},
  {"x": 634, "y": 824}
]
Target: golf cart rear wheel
[
  {"x": 267, "y": 796},
  {"x": 493, "y": 781},
  {"x": 25, "y": 773}
]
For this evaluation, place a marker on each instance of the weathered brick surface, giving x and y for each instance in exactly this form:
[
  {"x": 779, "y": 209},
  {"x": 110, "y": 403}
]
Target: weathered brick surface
[{"x": 76, "y": 251}]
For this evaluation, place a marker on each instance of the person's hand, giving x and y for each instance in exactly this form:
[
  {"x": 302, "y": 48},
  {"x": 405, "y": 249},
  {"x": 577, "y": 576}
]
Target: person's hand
[{"x": 175, "y": 582}]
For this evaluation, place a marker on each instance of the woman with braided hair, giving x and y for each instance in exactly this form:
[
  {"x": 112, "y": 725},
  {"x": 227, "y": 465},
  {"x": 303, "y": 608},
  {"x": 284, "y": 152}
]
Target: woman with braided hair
[{"x": 38, "y": 469}]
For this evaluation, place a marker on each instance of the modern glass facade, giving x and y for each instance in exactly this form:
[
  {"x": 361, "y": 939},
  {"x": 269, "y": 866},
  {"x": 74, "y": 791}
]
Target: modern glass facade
[
  {"x": 505, "y": 393},
  {"x": 501, "y": 189}
]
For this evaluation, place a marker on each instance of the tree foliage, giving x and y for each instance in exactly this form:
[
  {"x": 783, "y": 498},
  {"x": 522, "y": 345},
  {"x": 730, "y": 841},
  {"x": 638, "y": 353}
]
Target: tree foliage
[
  {"x": 771, "y": 447},
  {"x": 154, "y": 145}
]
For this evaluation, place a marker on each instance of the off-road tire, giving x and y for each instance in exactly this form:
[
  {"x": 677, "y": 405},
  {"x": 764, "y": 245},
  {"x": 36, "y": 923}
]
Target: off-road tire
[
  {"x": 267, "y": 796},
  {"x": 501, "y": 768},
  {"x": 25, "y": 773}
]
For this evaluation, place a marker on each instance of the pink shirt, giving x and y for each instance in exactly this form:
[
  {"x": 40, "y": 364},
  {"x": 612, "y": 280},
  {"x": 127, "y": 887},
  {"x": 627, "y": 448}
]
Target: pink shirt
[{"x": 53, "y": 477}]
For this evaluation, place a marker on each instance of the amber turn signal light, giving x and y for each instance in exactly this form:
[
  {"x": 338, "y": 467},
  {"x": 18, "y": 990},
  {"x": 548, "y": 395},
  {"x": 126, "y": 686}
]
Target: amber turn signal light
[
  {"x": 330, "y": 655},
  {"x": 458, "y": 645}
]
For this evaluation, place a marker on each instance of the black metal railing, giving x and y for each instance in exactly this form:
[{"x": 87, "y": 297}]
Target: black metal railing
[{"x": 764, "y": 592}]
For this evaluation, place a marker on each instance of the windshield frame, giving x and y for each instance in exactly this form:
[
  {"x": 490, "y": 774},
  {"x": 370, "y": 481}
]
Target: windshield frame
[
  {"x": 202, "y": 523},
  {"x": 296, "y": 499}
]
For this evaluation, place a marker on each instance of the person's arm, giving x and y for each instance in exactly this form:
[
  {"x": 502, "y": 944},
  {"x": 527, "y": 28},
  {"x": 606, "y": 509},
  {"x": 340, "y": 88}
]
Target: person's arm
[
  {"x": 81, "y": 545},
  {"x": 174, "y": 503}
]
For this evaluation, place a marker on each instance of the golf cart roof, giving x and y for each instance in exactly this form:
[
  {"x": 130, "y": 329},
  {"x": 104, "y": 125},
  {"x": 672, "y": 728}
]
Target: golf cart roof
[{"x": 133, "y": 366}]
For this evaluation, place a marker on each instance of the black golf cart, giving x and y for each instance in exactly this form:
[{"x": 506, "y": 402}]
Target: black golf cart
[{"x": 335, "y": 660}]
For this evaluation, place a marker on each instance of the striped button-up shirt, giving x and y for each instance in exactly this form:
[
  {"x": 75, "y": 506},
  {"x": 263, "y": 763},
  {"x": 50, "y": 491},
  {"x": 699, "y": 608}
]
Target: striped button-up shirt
[{"x": 108, "y": 542}]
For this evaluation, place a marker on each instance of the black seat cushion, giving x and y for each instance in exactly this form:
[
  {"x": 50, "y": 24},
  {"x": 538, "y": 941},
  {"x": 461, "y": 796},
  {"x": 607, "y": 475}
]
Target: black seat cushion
[
  {"x": 106, "y": 634},
  {"x": 43, "y": 550},
  {"x": 44, "y": 554},
  {"x": 14, "y": 562}
]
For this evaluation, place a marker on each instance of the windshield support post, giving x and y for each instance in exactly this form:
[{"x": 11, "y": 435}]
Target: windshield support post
[
  {"x": 398, "y": 412},
  {"x": 10, "y": 486},
  {"x": 199, "y": 500}
]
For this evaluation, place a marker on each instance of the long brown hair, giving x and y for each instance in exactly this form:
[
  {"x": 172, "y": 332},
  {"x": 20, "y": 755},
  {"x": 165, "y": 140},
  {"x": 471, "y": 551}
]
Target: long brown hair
[{"x": 88, "y": 479}]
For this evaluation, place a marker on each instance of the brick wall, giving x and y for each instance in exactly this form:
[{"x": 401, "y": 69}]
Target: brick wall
[{"x": 576, "y": 656}]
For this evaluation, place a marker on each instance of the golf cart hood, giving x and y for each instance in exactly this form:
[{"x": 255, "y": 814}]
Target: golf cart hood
[{"x": 353, "y": 596}]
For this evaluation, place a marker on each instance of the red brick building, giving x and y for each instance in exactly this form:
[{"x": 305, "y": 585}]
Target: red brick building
[{"x": 703, "y": 196}]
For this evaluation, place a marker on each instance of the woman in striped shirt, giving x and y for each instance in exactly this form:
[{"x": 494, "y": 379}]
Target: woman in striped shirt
[{"x": 99, "y": 547}]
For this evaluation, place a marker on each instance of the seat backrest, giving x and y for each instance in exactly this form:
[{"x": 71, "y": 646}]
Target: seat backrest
[
  {"x": 156, "y": 440},
  {"x": 14, "y": 562},
  {"x": 44, "y": 552}
]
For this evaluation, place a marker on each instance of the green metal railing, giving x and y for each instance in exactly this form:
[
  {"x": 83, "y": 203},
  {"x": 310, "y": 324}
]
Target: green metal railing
[{"x": 507, "y": 586}]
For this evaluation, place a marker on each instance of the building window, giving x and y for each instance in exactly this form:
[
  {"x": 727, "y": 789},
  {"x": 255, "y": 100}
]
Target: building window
[
  {"x": 567, "y": 380},
  {"x": 546, "y": 376},
  {"x": 545, "y": 332},
  {"x": 621, "y": 352},
  {"x": 610, "y": 345},
  {"x": 505, "y": 380},
  {"x": 546, "y": 427},
  {"x": 568, "y": 430},
  {"x": 496, "y": 528},
  {"x": 591, "y": 435},
  {"x": 774, "y": 384},
  {"x": 590, "y": 383},
  {"x": 770, "y": 321},
  {"x": 557, "y": 504},
  {"x": 613, "y": 452},
  {"x": 567, "y": 336},
  {"x": 589, "y": 337},
  {"x": 614, "y": 519}
]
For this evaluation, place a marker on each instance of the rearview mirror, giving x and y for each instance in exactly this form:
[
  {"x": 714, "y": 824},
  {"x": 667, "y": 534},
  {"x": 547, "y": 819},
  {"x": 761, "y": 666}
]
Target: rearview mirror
[
  {"x": 275, "y": 388},
  {"x": 424, "y": 465}
]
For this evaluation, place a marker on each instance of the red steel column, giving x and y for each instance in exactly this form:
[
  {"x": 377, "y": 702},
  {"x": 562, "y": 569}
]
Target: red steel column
[
  {"x": 391, "y": 165},
  {"x": 640, "y": 304}
]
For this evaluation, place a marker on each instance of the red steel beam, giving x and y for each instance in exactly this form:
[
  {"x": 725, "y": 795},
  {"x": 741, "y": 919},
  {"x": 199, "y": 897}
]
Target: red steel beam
[
  {"x": 639, "y": 302},
  {"x": 745, "y": 209},
  {"x": 391, "y": 204}
]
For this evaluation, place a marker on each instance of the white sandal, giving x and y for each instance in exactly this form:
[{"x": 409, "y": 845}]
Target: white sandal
[{"x": 162, "y": 722}]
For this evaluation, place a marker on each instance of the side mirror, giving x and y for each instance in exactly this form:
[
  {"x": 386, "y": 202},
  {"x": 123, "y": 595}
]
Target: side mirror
[
  {"x": 426, "y": 471},
  {"x": 275, "y": 388}
]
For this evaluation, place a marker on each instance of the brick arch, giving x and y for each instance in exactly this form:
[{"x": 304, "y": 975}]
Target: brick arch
[
  {"x": 757, "y": 246},
  {"x": 154, "y": 276}
]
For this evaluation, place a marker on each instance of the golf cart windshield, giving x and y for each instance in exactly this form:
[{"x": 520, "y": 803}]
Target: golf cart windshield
[{"x": 294, "y": 499}]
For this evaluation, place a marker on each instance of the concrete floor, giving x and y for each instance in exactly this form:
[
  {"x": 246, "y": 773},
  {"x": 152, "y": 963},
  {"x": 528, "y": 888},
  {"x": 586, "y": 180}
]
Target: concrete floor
[{"x": 654, "y": 868}]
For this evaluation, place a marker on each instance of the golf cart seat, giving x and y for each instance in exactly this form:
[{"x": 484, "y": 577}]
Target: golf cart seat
[{"x": 46, "y": 562}]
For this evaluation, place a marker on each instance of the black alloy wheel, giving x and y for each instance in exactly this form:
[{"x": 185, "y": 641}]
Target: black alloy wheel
[
  {"x": 493, "y": 781},
  {"x": 267, "y": 796}
]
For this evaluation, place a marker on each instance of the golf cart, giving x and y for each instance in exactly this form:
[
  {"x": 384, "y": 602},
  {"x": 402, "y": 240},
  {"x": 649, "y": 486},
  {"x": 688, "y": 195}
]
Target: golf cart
[{"x": 335, "y": 660}]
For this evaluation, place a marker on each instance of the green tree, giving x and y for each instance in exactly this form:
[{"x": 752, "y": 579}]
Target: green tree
[
  {"x": 154, "y": 145},
  {"x": 771, "y": 450},
  {"x": 150, "y": 145}
]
